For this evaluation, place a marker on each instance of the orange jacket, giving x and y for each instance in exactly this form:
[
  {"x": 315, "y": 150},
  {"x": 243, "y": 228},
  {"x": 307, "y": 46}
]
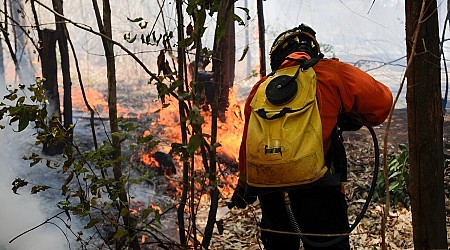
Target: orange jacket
[{"x": 341, "y": 87}]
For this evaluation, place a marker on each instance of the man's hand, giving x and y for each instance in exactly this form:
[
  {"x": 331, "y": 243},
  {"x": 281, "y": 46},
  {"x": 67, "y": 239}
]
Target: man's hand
[{"x": 239, "y": 200}]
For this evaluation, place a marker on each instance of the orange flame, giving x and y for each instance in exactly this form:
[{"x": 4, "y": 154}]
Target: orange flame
[
  {"x": 228, "y": 135},
  {"x": 156, "y": 208},
  {"x": 96, "y": 100},
  {"x": 148, "y": 160}
]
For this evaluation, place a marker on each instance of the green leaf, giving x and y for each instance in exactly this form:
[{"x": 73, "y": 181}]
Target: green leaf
[
  {"x": 21, "y": 100},
  {"x": 194, "y": 143},
  {"x": 138, "y": 19},
  {"x": 186, "y": 42},
  {"x": 238, "y": 19},
  {"x": 128, "y": 126},
  {"x": 144, "y": 139},
  {"x": 124, "y": 212},
  {"x": 132, "y": 39},
  {"x": 64, "y": 187},
  {"x": 200, "y": 17},
  {"x": 247, "y": 12},
  {"x": 92, "y": 222},
  {"x": 68, "y": 163},
  {"x": 120, "y": 233},
  {"x": 191, "y": 8},
  {"x": 394, "y": 186},
  {"x": 146, "y": 212},
  {"x": 37, "y": 189},
  {"x": 11, "y": 97},
  {"x": 23, "y": 124},
  {"x": 18, "y": 183},
  {"x": 34, "y": 158},
  {"x": 64, "y": 203},
  {"x": 175, "y": 85},
  {"x": 394, "y": 175},
  {"x": 143, "y": 25},
  {"x": 244, "y": 53}
]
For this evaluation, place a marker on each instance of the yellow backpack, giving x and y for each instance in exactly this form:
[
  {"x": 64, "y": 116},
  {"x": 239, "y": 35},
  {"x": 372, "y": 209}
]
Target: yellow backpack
[{"x": 284, "y": 138}]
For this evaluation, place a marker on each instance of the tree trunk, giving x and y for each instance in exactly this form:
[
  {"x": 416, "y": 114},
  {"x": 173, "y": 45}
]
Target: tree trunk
[
  {"x": 50, "y": 84},
  {"x": 183, "y": 126},
  {"x": 228, "y": 48},
  {"x": 24, "y": 66},
  {"x": 262, "y": 41},
  {"x": 425, "y": 123},
  {"x": 2, "y": 69},
  {"x": 105, "y": 28},
  {"x": 65, "y": 67},
  {"x": 4, "y": 30},
  {"x": 49, "y": 71},
  {"x": 247, "y": 43},
  {"x": 221, "y": 71}
]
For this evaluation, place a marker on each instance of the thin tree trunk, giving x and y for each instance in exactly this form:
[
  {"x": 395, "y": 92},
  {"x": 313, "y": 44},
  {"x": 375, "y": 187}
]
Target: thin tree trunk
[
  {"x": 2, "y": 68},
  {"x": 65, "y": 67},
  {"x": 446, "y": 21},
  {"x": 10, "y": 48},
  {"x": 24, "y": 65},
  {"x": 247, "y": 43},
  {"x": 219, "y": 66},
  {"x": 105, "y": 28},
  {"x": 183, "y": 127},
  {"x": 83, "y": 92},
  {"x": 49, "y": 73},
  {"x": 228, "y": 47},
  {"x": 262, "y": 41},
  {"x": 425, "y": 123},
  {"x": 5, "y": 33}
]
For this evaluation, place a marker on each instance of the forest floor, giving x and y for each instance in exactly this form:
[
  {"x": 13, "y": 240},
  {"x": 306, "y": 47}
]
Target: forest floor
[{"x": 240, "y": 226}]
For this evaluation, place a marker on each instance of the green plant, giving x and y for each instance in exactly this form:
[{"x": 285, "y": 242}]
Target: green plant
[
  {"x": 89, "y": 188},
  {"x": 398, "y": 174},
  {"x": 95, "y": 187}
]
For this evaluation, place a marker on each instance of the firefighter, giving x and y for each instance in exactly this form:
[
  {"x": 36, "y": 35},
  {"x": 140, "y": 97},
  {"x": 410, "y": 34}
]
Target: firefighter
[{"x": 315, "y": 205}]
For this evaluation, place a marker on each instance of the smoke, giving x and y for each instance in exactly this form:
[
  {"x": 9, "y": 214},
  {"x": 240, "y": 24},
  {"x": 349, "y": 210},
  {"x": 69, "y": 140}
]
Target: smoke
[{"x": 19, "y": 213}]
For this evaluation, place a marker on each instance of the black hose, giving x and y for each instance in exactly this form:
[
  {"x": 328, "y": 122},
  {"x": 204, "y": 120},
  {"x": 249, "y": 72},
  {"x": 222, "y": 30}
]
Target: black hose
[
  {"x": 290, "y": 213},
  {"x": 294, "y": 222}
]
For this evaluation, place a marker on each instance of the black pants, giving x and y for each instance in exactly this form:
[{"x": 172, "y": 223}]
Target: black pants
[{"x": 318, "y": 210}]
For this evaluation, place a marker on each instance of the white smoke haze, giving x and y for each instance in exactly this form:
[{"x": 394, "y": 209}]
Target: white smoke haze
[{"x": 19, "y": 213}]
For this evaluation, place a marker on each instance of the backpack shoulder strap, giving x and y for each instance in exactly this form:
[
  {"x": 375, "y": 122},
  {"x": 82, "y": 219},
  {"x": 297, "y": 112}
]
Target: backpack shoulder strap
[{"x": 304, "y": 64}]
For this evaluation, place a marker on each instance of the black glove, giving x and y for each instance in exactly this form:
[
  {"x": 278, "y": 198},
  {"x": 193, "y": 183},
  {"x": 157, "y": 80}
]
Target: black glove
[
  {"x": 238, "y": 199},
  {"x": 348, "y": 122}
]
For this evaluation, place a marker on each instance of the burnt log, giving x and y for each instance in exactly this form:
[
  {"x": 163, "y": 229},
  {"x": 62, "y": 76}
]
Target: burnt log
[
  {"x": 165, "y": 161},
  {"x": 205, "y": 79}
]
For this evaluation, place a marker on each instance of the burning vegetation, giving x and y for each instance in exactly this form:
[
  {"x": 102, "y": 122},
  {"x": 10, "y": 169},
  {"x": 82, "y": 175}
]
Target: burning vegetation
[{"x": 167, "y": 127}]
